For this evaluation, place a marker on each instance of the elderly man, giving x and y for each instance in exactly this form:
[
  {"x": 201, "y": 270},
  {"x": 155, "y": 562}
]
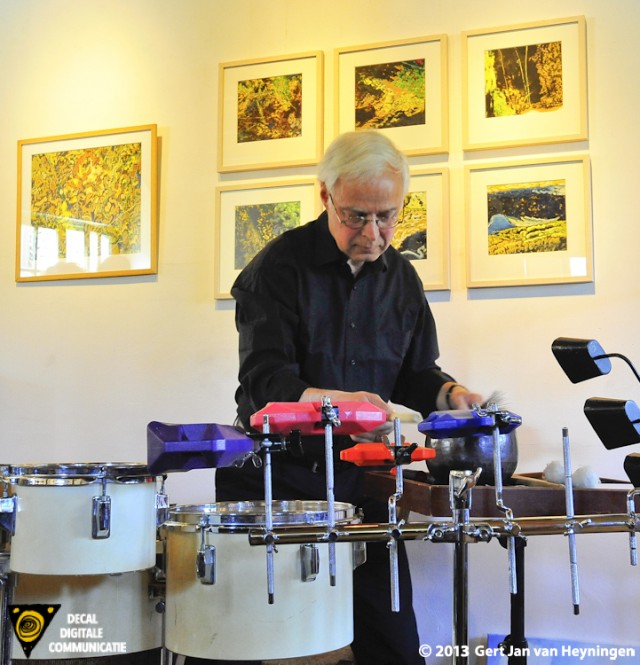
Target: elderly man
[{"x": 331, "y": 309}]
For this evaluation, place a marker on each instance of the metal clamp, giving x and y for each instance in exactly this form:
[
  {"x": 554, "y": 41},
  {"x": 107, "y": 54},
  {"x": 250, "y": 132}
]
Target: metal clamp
[
  {"x": 162, "y": 505},
  {"x": 309, "y": 562},
  {"x": 206, "y": 560},
  {"x": 8, "y": 511},
  {"x": 101, "y": 514}
]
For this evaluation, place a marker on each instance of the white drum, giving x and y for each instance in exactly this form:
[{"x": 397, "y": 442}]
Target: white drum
[
  {"x": 100, "y": 616},
  {"x": 83, "y": 519},
  {"x": 231, "y": 618}
]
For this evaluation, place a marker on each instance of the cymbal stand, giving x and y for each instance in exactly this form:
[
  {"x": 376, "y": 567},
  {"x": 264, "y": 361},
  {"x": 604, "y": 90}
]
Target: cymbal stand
[{"x": 330, "y": 420}]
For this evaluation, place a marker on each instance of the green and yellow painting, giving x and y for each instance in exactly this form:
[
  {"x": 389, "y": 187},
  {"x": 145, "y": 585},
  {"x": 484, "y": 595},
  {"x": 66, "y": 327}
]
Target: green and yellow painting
[
  {"x": 89, "y": 190},
  {"x": 410, "y": 238},
  {"x": 256, "y": 225},
  {"x": 527, "y": 218},
  {"x": 390, "y": 95},
  {"x": 270, "y": 108},
  {"x": 523, "y": 79}
]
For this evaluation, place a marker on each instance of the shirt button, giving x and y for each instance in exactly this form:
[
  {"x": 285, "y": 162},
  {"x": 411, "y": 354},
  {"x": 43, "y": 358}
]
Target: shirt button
[
  {"x": 352, "y": 325},
  {"x": 353, "y": 362}
]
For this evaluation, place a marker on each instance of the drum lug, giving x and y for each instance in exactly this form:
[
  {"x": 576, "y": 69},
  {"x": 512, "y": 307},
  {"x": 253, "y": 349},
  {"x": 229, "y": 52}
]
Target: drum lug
[
  {"x": 309, "y": 562},
  {"x": 8, "y": 510},
  {"x": 162, "y": 508},
  {"x": 359, "y": 553},
  {"x": 206, "y": 564},
  {"x": 101, "y": 517}
]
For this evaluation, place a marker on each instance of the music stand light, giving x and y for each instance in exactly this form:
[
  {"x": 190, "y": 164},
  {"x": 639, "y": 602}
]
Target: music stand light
[
  {"x": 581, "y": 359},
  {"x": 615, "y": 421}
]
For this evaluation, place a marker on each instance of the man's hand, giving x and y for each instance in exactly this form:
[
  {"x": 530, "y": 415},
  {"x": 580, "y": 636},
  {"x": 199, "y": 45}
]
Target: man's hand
[
  {"x": 316, "y": 395},
  {"x": 454, "y": 396}
]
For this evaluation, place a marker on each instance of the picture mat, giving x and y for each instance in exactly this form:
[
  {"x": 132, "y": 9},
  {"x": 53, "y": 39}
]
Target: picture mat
[
  {"x": 566, "y": 124},
  {"x": 230, "y": 197},
  {"x": 572, "y": 265},
  {"x": 430, "y": 138},
  {"x": 295, "y": 151}
]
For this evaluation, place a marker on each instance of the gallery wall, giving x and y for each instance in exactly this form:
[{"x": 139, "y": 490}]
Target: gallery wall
[{"x": 86, "y": 364}]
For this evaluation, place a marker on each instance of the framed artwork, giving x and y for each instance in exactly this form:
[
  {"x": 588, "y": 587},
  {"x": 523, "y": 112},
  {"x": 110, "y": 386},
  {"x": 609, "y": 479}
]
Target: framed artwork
[
  {"x": 270, "y": 113},
  {"x": 87, "y": 205},
  {"x": 525, "y": 84},
  {"x": 423, "y": 235},
  {"x": 529, "y": 222},
  {"x": 398, "y": 88},
  {"x": 249, "y": 216}
]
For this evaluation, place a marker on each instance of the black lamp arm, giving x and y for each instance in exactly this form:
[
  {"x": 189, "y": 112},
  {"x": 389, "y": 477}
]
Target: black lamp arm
[{"x": 619, "y": 355}]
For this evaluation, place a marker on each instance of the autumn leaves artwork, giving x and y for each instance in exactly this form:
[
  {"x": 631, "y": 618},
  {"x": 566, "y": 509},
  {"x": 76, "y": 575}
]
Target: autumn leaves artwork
[
  {"x": 390, "y": 95},
  {"x": 270, "y": 108},
  {"x": 93, "y": 193},
  {"x": 257, "y": 224},
  {"x": 523, "y": 79}
]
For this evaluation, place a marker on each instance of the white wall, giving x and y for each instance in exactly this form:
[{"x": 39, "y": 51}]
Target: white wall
[{"x": 85, "y": 365}]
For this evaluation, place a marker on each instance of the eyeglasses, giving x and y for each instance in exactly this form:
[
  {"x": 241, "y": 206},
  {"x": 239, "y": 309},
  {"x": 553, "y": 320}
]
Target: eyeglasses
[{"x": 354, "y": 219}]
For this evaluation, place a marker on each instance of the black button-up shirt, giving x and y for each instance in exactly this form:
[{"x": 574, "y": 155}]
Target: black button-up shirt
[{"x": 305, "y": 321}]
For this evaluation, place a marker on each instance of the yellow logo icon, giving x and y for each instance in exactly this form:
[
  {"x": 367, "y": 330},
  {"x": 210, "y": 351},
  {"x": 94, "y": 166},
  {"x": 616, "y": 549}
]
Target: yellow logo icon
[{"x": 30, "y": 622}]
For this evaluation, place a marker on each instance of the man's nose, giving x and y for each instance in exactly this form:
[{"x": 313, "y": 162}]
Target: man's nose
[{"x": 370, "y": 229}]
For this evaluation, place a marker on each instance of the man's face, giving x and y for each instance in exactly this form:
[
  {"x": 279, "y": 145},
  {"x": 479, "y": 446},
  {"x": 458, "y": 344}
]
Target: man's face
[{"x": 380, "y": 196}]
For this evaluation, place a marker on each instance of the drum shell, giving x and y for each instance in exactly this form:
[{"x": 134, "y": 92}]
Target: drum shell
[
  {"x": 232, "y": 619},
  {"x": 120, "y": 604},
  {"x": 53, "y": 527}
]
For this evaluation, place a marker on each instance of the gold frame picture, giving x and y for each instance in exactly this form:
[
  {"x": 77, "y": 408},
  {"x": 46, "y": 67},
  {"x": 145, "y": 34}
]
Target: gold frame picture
[
  {"x": 398, "y": 88},
  {"x": 87, "y": 205},
  {"x": 248, "y": 216},
  {"x": 271, "y": 112},
  {"x": 525, "y": 84},
  {"x": 529, "y": 222}
]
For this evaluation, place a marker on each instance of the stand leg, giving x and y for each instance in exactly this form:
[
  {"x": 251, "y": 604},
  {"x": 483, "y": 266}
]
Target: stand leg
[
  {"x": 6, "y": 597},
  {"x": 515, "y": 645},
  {"x": 460, "y": 600}
]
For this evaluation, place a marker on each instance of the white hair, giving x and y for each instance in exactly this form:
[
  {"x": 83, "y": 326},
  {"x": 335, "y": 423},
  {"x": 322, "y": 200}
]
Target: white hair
[{"x": 360, "y": 156}]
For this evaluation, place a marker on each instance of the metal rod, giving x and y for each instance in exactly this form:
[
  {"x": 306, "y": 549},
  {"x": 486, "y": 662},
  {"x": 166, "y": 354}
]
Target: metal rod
[
  {"x": 460, "y": 485},
  {"x": 7, "y": 583},
  {"x": 633, "y": 540},
  {"x": 268, "y": 510},
  {"x": 460, "y": 601},
  {"x": 331, "y": 419},
  {"x": 515, "y": 644},
  {"x": 446, "y": 532},
  {"x": 568, "y": 493},
  {"x": 393, "y": 520},
  {"x": 497, "y": 472}
]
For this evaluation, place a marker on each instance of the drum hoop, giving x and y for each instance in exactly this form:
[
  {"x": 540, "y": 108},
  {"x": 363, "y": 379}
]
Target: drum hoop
[
  {"x": 238, "y": 517},
  {"x": 77, "y": 474}
]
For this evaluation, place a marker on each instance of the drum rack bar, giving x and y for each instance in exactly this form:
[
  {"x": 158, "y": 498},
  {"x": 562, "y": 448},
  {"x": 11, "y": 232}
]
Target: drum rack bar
[{"x": 449, "y": 532}]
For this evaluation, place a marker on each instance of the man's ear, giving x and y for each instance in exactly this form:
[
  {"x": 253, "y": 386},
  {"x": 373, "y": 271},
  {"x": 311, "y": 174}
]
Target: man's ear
[{"x": 324, "y": 195}]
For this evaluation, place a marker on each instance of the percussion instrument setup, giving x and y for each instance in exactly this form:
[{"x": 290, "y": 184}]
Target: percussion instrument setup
[{"x": 84, "y": 537}]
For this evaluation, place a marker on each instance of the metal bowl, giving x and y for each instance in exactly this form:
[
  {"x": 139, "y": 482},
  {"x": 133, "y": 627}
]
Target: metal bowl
[{"x": 470, "y": 452}]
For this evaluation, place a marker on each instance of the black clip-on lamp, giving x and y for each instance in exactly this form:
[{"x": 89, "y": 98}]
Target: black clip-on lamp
[{"x": 616, "y": 422}]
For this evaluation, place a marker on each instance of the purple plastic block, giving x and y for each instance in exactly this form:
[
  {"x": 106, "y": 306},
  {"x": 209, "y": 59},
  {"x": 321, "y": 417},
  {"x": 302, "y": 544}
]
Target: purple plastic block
[{"x": 172, "y": 447}]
